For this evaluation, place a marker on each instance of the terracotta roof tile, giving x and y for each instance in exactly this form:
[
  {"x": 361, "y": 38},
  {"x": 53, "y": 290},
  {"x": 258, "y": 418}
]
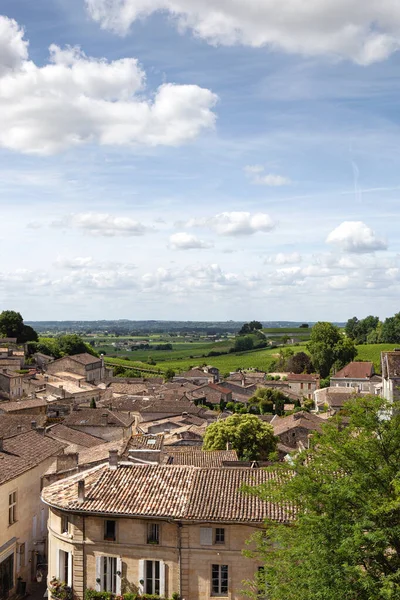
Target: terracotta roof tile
[
  {"x": 167, "y": 491},
  {"x": 72, "y": 436},
  {"x": 93, "y": 417},
  {"x": 24, "y": 452},
  {"x": 356, "y": 370},
  {"x": 11, "y": 424},
  {"x": 197, "y": 457},
  {"x": 22, "y": 405}
]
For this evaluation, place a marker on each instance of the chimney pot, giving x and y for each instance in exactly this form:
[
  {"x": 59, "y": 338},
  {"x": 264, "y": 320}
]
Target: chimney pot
[
  {"x": 104, "y": 419},
  {"x": 1, "y": 444},
  {"x": 19, "y": 428},
  {"x": 113, "y": 459},
  {"x": 81, "y": 490},
  {"x": 33, "y": 424}
]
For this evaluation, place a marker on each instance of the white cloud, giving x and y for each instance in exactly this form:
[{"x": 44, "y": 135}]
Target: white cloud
[
  {"x": 76, "y": 99},
  {"x": 339, "y": 282},
  {"x": 357, "y": 237},
  {"x": 13, "y": 48},
  {"x": 102, "y": 224},
  {"x": 258, "y": 176},
  {"x": 281, "y": 258},
  {"x": 364, "y": 31},
  {"x": 185, "y": 241},
  {"x": 235, "y": 223}
]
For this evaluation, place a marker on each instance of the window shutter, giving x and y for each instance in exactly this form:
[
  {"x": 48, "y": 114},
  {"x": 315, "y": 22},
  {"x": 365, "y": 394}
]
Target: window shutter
[
  {"x": 162, "y": 578},
  {"x": 119, "y": 577},
  {"x": 69, "y": 582},
  {"x": 206, "y": 538},
  {"x": 57, "y": 563},
  {"x": 99, "y": 573},
  {"x": 141, "y": 576}
]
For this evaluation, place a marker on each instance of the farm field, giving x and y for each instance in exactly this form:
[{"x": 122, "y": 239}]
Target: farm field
[
  {"x": 186, "y": 350},
  {"x": 257, "y": 359}
]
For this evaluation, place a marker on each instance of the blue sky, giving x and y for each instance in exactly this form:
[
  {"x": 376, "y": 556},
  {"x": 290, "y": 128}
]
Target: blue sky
[{"x": 168, "y": 160}]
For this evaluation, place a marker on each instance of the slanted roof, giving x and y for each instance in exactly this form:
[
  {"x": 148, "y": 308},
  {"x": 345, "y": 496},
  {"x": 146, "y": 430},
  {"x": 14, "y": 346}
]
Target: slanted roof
[
  {"x": 24, "y": 452},
  {"x": 147, "y": 441},
  {"x": 85, "y": 358},
  {"x": 11, "y": 424},
  {"x": 8, "y": 407},
  {"x": 195, "y": 373},
  {"x": 302, "y": 377},
  {"x": 355, "y": 370},
  {"x": 391, "y": 364},
  {"x": 168, "y": 491},
  {"x": 197, "y": 457},
  {"x": 72, "y": 436},
  {"x": 93, "y": 417},
  {"x": 299, "y": 419}
]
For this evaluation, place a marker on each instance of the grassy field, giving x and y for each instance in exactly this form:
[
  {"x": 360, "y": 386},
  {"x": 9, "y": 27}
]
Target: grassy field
[
  {"x": 186, "y": 350},
  {"x": 257, "y": 359}
]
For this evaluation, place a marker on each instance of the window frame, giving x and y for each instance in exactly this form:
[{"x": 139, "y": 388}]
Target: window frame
[
  {"x": 153, "y": 533},
  {"x": 12, "y": 507},
  {"x": 64, "y": 525},
  {"x": 219, "y": 580},
  {"x": 155, "y": 579},
  {"x": 107, "y": 538},
  {"x": 219, "y": 536}
]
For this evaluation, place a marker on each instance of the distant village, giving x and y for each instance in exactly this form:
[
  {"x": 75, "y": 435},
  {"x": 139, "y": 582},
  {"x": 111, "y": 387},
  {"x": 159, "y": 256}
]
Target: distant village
[{"x": 105, "y": 484}]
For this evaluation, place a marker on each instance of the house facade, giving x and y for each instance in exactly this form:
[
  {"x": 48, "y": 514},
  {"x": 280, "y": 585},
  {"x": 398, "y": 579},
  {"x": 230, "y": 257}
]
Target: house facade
[
  {"x": 360, "y": 376},
  {"x": 304, "y": 385},
  {"x": 89, "y": 367},
  {"x": 23, "y": 517},
  {"x": 156, "y": 529}
]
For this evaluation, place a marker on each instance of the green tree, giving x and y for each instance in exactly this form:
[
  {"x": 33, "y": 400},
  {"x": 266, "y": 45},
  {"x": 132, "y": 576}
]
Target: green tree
[
  {"x": 344, "y": 538},
  {"x": 247, "y": 434},
  {"x": 390, "y": 332},
  {"x": 244, "y": 343},
  {"x": 299, "y": 363},
  {"x": 12, "y": 326},
  {"x": 250, "y": 327},
  {"x": 169, "y": 374},
  {"x": 93, "y": 403},
  {"x": 328, "y": 347}
]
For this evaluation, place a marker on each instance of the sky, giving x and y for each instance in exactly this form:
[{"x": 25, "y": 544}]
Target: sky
[{"x": 194, "y": 160}]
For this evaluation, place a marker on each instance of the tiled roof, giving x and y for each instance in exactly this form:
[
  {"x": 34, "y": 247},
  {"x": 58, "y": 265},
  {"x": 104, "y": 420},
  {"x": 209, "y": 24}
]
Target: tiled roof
[
  {"x": 145, "y": 442},
  {"x": 390, "y": 364},
  {"x": 164, "y": 406},
  {"x": 24, "y": 452},
  {"x": 195, "y": 373},
  {"x": 11, "y": 424},
  {"x": 356, "y": 370},
  {"x": 129, "y": 388},
  {"x": 22, "y": 405},
  {"x": 85, "y": 358},
  {"x": 300, "y": 419},
  {"x": 197, "y": 457},
  {"x": 93, "y": 417},
  {"x": 167, "y": 491},
  {"x": 302, "y": 377},
  {"x": 72, "y": 436}
]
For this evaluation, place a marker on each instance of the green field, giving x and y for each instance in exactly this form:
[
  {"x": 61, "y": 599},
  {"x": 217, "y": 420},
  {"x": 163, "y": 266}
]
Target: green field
[
  {"x": 257, "y": 359},
  {"x": 185, "y": 350}
]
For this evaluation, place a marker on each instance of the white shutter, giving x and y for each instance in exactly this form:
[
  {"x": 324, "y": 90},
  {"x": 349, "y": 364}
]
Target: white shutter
[
  {"x": 99, "y": 573},
  {"x": 34, "y": 527},
  {"x": 141, "y": 576},
  {"x": 162, "y": 578},
  {"x": 206, "y": 536},
  {"x": 118, "y": 578},
  {"x": 69, "y": 582},
  {"x": 58, "y": 574}
]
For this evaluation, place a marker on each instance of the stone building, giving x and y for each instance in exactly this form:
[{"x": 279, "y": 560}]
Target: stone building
[
  {"x": 304, "y": 385},
  {"x": 23, "y": 517},
  {"x": 156, "y": 529},
  {"x": 360, "y": 376},
  {"x": 91, "y": 368},
  {"x": 10, "y": 384},
  {"x": 390, "y": 362}
]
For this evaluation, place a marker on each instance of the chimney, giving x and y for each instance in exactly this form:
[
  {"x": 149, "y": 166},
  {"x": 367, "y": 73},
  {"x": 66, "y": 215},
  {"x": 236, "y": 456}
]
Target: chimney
[
  {"x": 19, "y": 428},
  {"x": 79, "y": 383},
  {"x": 228, "y": 446},
  {"x": 81, "y": 490},
  {"x": 65, "y": 462},
  {"x": 41, "y": 430},
  {"x": 1, "y": 444},
  {"x": 113, "y": 459},
  {"x": 33, "y": 424},
  {"x": 104, "y": 419}
]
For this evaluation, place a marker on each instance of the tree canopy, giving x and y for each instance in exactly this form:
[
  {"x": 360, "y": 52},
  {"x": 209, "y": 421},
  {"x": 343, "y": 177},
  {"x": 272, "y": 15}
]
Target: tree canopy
[
  {"x": 250, "y": 327},
  {"x": 12, "y": 326},
  {"x": 63, "y": 345},
  {"x": 344, "y": 540},
  {"x": 252, "y": 438},
  {"x": 299, "y": 363},
  {"x": 329, "y": 348}
]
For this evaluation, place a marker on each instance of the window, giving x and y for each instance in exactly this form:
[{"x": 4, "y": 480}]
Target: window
[
  {"x": 301, "y": 386},
  {"x": 309, "y": 386},
  {"x": 65, "y": 567},
  {"x": 220, "y": 535},
  {"x": 22, "y": 556},
  {"x": 152, "y": 577},
  {"x": 12, "y": 508},
  {"x": 64, "y": 524},
  {"x": 219, "y": 580},
  {"x": 110, "y": 528},
  {"x": 108, "y": 574},
  {"x": 153, "y": 533}
]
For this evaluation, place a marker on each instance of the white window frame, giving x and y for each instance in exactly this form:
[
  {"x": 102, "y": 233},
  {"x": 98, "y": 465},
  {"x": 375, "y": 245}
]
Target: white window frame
[
  {"x": 64, "y": 561},
  {"x": 142, "y": 577},
  {"x": 219, "y": 592},
  {"x": 108, "y": 574},
  {"x": 12, "y": 507}
]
